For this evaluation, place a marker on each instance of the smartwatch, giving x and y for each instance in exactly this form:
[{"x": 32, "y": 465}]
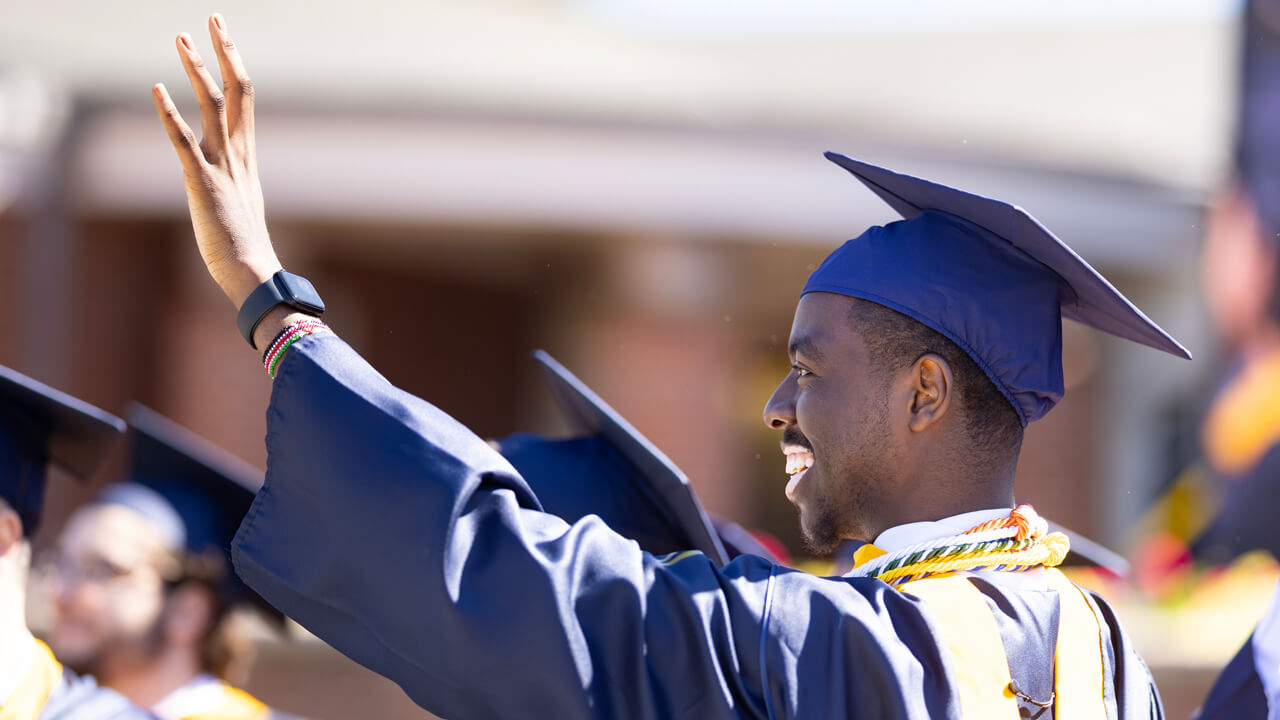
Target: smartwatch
[{"x": 283, "y": 288}]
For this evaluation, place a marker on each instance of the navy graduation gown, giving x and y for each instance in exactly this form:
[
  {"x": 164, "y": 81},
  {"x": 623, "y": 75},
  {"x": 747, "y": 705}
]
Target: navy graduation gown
[
  {"x": 1238, "y": 693},
  {"x": 402, "y": 539}
]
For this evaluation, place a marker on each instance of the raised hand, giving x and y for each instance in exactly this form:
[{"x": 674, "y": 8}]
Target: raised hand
[{"x": 221, "y": 169}]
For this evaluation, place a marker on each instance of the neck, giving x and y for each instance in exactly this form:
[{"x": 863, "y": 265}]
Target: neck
[
  {"x": 928, "y": 496},
  {"x": 148, "y": 681}
]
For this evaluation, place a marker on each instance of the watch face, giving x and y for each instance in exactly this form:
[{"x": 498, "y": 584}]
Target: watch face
[{"x": 300, "y": 291}]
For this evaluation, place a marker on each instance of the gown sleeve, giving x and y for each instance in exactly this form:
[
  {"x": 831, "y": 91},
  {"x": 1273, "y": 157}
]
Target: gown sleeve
[
  {"x": 1237, "y": 693},
  {"x": 402, "y": 539}
]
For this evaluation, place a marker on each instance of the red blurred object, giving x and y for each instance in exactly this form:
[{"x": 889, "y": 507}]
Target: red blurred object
[{"x": 1162, "y": 560}]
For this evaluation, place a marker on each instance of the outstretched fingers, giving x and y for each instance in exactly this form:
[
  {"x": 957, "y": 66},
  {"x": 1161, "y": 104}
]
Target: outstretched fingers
[
  {"x": 184, "y": 141},
  {"x": 213, "y": 105},
  {"x": 235, "y": 84}
]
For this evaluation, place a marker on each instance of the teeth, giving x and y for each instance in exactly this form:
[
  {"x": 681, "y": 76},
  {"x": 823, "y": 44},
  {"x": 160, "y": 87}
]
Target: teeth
[{"x": 798, "y": 461}]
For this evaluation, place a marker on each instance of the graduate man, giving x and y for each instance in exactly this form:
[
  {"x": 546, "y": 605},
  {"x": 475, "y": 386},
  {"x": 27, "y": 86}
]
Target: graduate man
[
  {"x": 159, "y": 628},
  {"x": 40, "y": 426},
  {"x": 920, "y": 350}
]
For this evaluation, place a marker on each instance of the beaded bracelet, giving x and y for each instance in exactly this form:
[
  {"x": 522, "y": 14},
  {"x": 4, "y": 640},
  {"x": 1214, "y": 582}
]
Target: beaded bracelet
[
  {"x": 287, "y": 337},
  {"x": 280, "y": 337}
]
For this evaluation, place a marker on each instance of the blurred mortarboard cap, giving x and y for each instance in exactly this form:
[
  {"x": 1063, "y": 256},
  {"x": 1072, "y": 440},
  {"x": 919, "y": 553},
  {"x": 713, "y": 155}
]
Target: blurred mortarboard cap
[
  {"x": 738, "y": 540},
  {"x": 986, "y": 275},
  {"x": 192, "y": 491},
  {"x": 1257, "y": 142},
  {"x": 40, "y": 425},
  {"x": 163, "y": 517},
  {"x": 610, "y": 470}
]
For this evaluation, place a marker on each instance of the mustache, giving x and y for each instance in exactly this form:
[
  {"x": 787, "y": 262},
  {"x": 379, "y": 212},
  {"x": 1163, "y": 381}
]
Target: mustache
[{"x": 793, "y": 436}]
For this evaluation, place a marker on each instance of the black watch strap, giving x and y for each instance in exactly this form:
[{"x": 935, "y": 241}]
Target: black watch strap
[{"x": 282, "y": 288}]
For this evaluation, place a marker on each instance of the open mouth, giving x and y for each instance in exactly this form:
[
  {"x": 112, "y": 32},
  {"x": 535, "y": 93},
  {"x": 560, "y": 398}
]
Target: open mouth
[{"x": 799, "y": 460}]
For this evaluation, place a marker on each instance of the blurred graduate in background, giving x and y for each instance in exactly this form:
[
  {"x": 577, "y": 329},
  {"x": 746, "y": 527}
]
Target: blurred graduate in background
[
  {"x": 1240, "y": 435},
  {"x": 1227, "y": 507},
  {"x": 143, "y": 590},
  {"x": 41, "y": 427}
]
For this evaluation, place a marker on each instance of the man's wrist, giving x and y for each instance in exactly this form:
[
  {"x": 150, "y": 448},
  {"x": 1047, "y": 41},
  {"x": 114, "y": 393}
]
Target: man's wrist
[
  {"x": 240, "y": 284},
  {"x": 280, "y": 317}
]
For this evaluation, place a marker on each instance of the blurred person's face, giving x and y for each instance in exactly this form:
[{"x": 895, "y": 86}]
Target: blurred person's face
[
  {"x": 107, "y": 587},
  {"x": 1238, "y": 268},
  {"x": 833, "y": 411}
]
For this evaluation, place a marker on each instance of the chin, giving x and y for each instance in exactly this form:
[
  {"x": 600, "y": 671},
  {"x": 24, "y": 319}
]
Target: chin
[
  {"x": 78, "y": 658},
  {"x": 70, "y": 642},
  {"x": 819, "y": 532}
]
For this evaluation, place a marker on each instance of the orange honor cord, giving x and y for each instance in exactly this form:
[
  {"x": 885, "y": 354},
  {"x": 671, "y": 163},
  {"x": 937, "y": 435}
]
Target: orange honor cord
[{"x": 1019, "y": 541}]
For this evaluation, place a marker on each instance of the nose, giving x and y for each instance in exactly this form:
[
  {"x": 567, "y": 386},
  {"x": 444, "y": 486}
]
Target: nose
[{"x": 780, "y": 411}]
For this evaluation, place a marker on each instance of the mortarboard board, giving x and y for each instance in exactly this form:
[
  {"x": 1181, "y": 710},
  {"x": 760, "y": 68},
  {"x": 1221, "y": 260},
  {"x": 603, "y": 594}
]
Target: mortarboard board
[
  {"x": 610, "y": 470},
  {"x": 1086, "y": 552},
  {"x": 986, "y": 275},
  {"x": 192, "y": 491},
  {"x": 40, "y": 425}
]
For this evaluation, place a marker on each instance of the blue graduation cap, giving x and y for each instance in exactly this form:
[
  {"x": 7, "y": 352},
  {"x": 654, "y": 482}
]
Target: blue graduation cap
[
  {"x": 40, "y": 425},
  {"x": 610, "y": 470},
  {"x": 194, "y": 493},
  {"x": 986, "y": 275}
]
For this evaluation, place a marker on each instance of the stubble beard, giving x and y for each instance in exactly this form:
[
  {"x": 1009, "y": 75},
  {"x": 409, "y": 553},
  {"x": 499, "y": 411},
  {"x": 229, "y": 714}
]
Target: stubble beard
[
  {"x": 837, "y": 517},
  {"x": 847, "y": 507},
  {"x": 119, "y": 653}
]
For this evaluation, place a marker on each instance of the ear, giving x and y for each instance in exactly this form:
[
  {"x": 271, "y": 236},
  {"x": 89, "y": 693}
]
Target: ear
[
  {"x": 188, "y": 613},
  {"x": 932, "y": 388},
  {"x": 10, "y": 530}
]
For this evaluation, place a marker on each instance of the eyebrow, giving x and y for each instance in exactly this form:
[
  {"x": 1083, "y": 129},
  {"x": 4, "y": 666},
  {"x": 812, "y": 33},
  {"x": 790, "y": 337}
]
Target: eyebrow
[{"x": 806, "y": 346}]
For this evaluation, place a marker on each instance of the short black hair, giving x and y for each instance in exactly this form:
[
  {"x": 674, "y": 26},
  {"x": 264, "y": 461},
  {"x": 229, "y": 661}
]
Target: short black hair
[{"x": 895, "y": 340}]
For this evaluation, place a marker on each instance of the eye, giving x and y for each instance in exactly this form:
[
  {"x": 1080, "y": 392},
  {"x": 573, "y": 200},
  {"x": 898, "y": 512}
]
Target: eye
[{"x": 801, "y": 371}]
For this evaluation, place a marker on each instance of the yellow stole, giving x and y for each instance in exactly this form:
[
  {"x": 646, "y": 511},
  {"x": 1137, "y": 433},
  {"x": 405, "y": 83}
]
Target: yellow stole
[
  {"x": 233, "y": 704},
  {"x": 981, "y": 666},
  {"x": 29, "y": 698},
  {"x": 1244, "y": 422}
]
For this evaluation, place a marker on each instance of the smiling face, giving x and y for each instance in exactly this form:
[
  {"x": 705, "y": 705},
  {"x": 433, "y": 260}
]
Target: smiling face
[
  {"x": 108, "y": 586},
  {"x": 833, "y": 409}
]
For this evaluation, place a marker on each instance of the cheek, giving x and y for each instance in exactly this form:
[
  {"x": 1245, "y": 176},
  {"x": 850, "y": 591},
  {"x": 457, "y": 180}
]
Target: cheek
[
  {"x": 81, "y": 623},
  {"x": 829, "y": 417},
  {"x": 813, "y": 413},
  {"x": 134, "y": 609},
  {"x": 81, "y": 602}
]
